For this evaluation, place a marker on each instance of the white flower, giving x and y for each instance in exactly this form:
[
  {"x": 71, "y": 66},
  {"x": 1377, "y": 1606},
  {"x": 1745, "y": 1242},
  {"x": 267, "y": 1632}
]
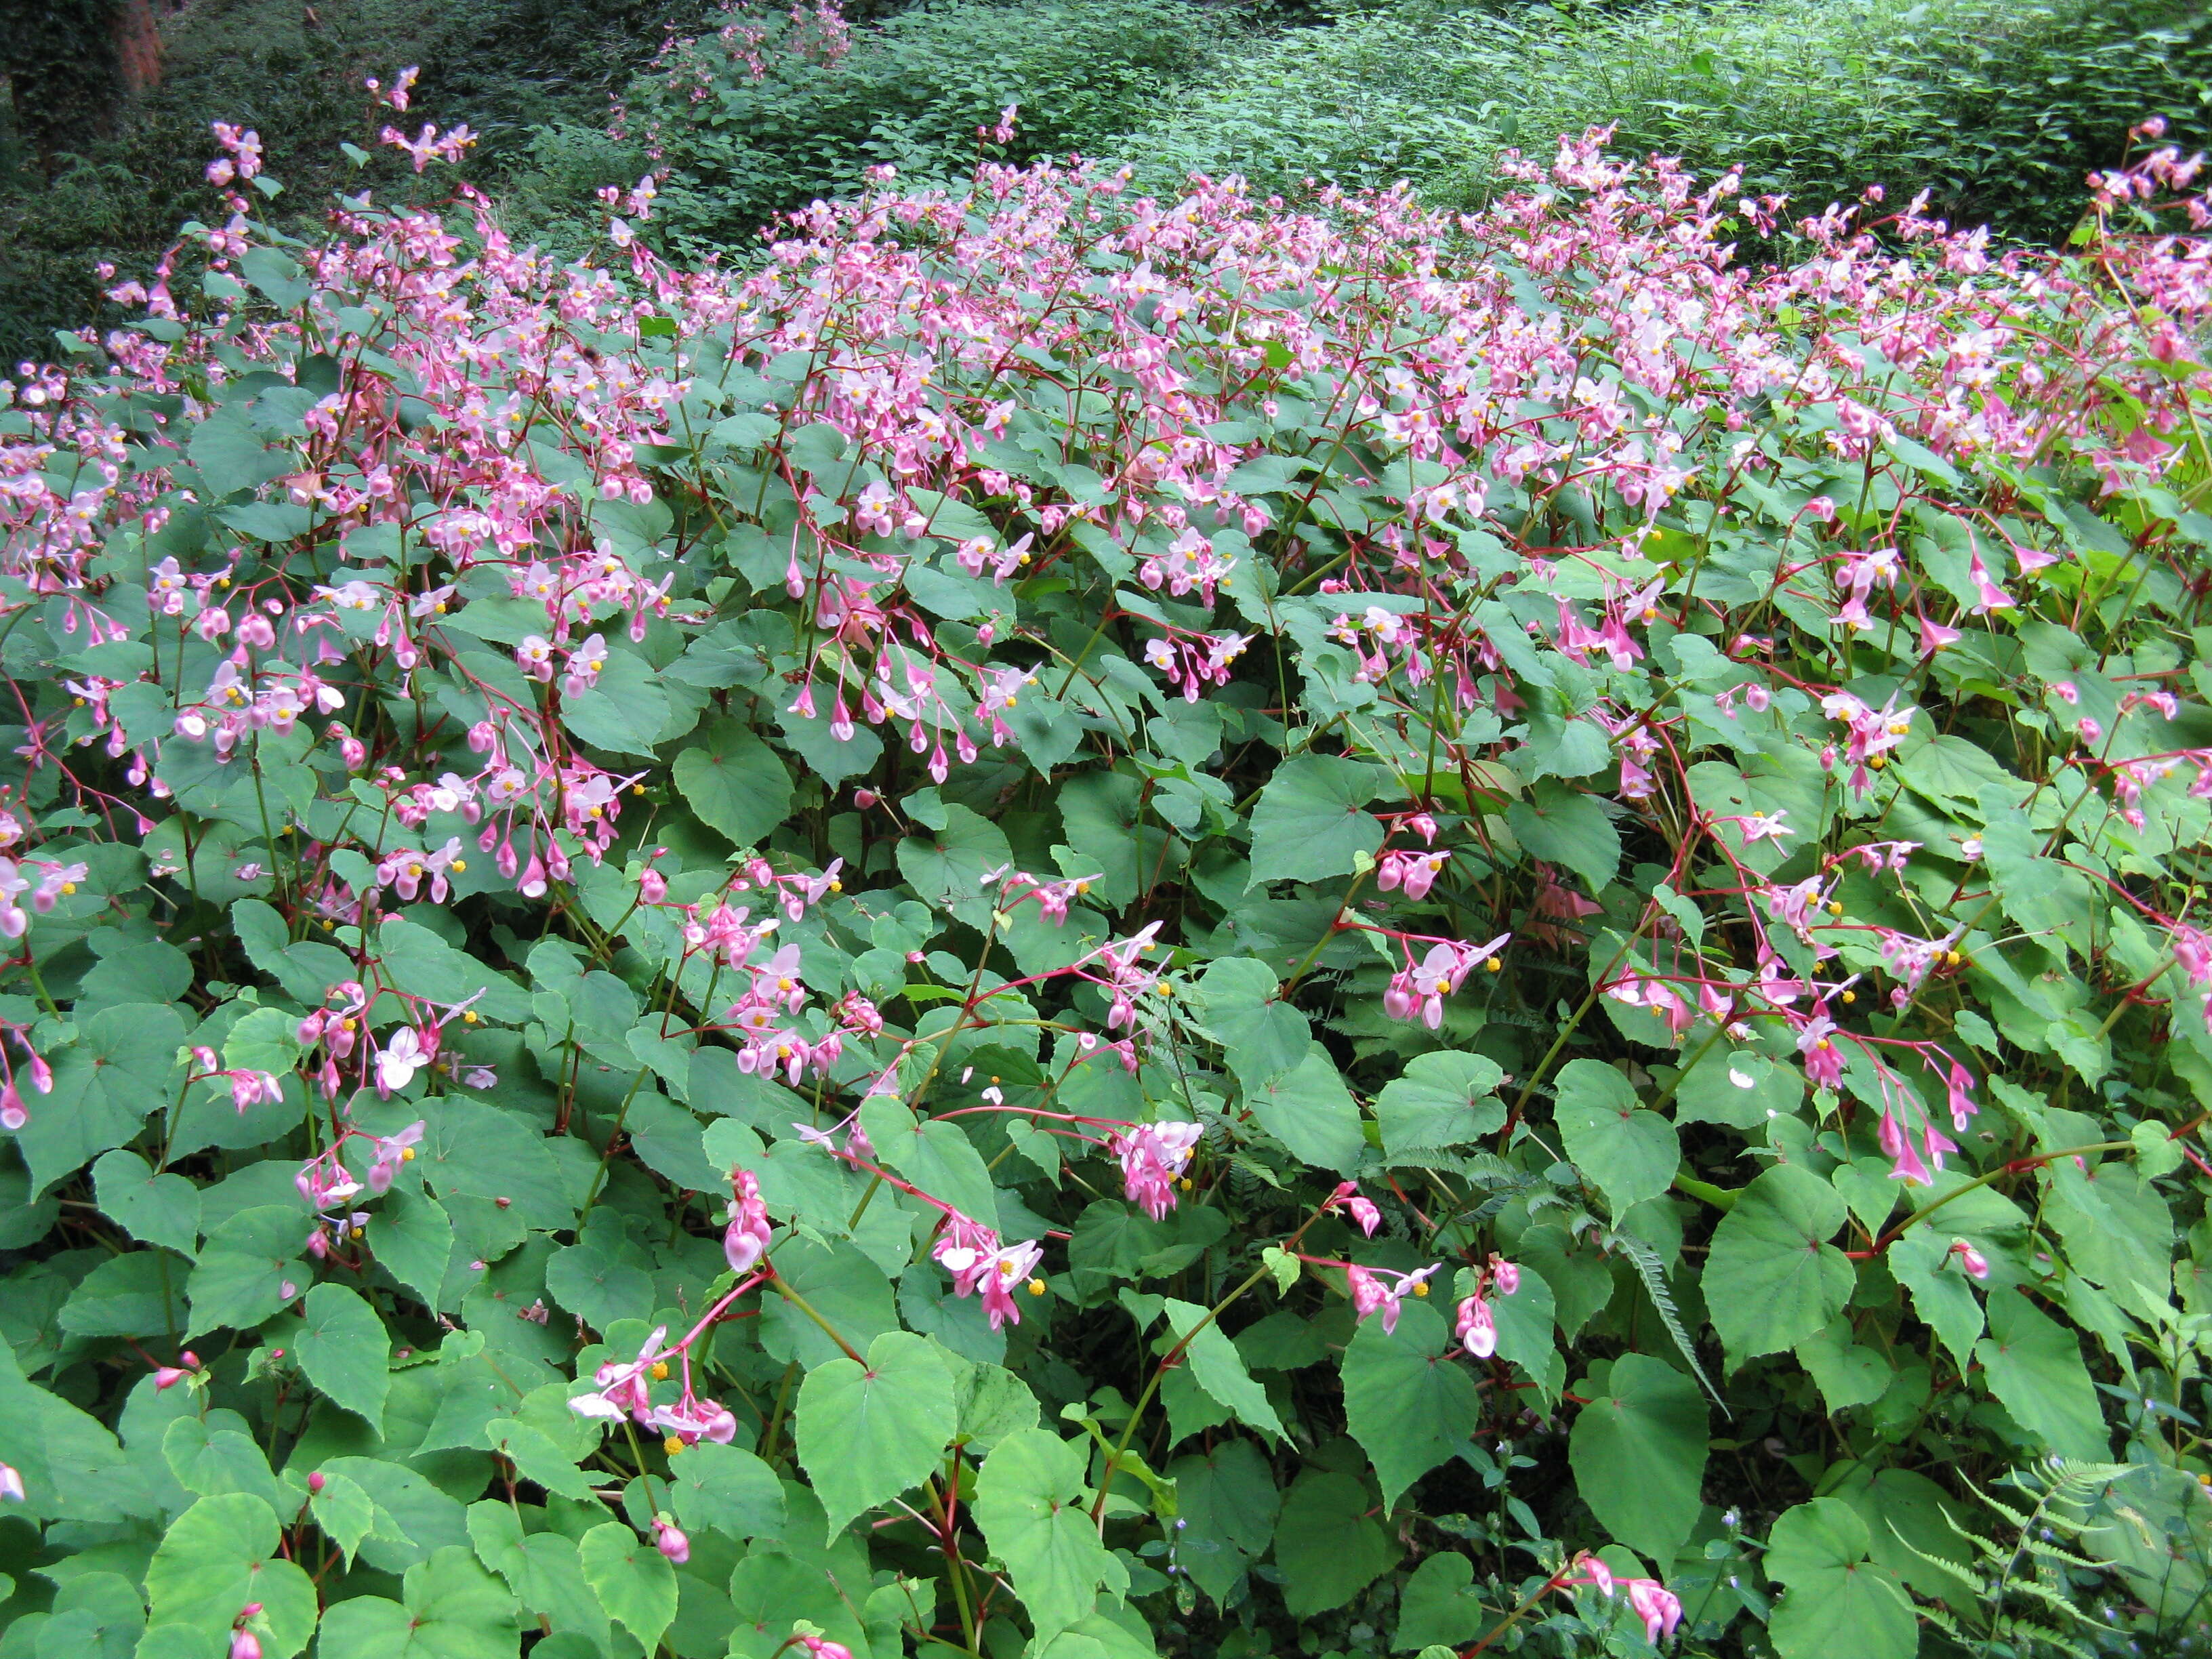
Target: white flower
[{"x": 403, "y": 1056}]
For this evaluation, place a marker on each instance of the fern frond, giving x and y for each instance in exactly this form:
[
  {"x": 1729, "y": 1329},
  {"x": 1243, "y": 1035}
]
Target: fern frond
[{"x": 1653, "y": 1272}]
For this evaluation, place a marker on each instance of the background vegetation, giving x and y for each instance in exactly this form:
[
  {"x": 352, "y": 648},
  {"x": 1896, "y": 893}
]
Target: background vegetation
[{"x": 1998, "y": 108}]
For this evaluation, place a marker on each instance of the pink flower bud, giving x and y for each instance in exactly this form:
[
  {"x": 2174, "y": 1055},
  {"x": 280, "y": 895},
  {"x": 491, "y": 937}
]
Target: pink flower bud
[
  {"x": 671, "y": 1542},
  {"x": 245, "y": 1644},
  {"x": 316, "y": 1482},
  {"x": 168, "y": 1376}
]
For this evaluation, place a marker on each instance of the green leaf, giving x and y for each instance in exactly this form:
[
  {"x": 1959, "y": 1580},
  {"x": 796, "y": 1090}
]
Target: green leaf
[
  {"x": 1261, "y": 1038},
  {"x": 727, "y": 1490},
  {"x": 634, "y": 1582},
  {"x": 1028, "y": 1501},
  {"x": 138, "y": 1294},
  {"x": 249, "y": 1268},
  {"x": 542, "y": 1569},
  {"x": 344, "y": 1511},
  {"x": 735, "y": 782},
  {"x": 1942, "y": 1295},
  {"x": 230, "y": 456},
  {"x": 865, "y": 1435},
  {"x": 597, "y": 1287},
  {"x": 1631, "y": 1153},
  {"x": 1847, "y": 1372},
  {"x": 210, "y": 1460},
  {"x": 946, "y": 867},
  {"x": 623, "y": 712},
  {"x": 154, "y": 1209},
  {"x": 1839, "y": 1604},
  {"x": 933, "y": 1154},
  {"x": 840, "y": 1284},
  {"x": 118, "y": 1070},
  {"x": 217, "y": 1557},
  {"x": 1311, "y": 820},
  {"x": 96, "y": 1615},
  {"x": 70, "y": 1465},
  {"x": 455, "y": 1609},
  {"x": 1217, "y": 1367},
  {"x": 411, "y": 1236},
  {"x": 413, "y": 1520},
  {"x": 771, "y": 1590},
  {"x": 1567, "y": 827},
  {"x": 1638, "y": 1455},
  {"x": 1438, "y": 1606},
  {"x": 1327, "y": 1544},
  {"x": 1407, "y": 1398},
  {"x": 431, "y": 969},
  {"x": 1444, "y": 1099},
  {"x": 1226, "y": 1501},
  {"x": 472, "y": 1150},
  {"x": 1311, "y": 1112},
  {"x": 2034, "y": 1368},
  {"x": 344, "y": 1349},
  {"x": 1772, "y": 1278}
]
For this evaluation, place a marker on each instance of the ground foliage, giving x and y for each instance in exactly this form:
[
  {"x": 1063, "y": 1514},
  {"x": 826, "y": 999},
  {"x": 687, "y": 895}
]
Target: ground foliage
[
  {"x": 1996, "y": 107},
  {"x": 1085, "y": 925}
]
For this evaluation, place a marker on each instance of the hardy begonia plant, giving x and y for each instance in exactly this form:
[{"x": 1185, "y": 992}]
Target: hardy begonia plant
[{"x": 1087, "y": 927}]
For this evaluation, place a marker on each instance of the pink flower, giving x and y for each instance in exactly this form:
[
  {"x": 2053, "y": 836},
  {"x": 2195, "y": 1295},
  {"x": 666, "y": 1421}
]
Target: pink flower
[
  {"x": 621, "y": 1389},
  {"x": 1506, "y": 1275},
  {"x": 965, "y": 1249},
  {"x": 1987, "y": 596},
  {"x": 1153, "y": 1155},
  {"x": 1361, "y": 1210},
  {"x": 1897, "y": 1146},
  {"x": 1960, "y": 1088},
  {"x": 1976, "y": 1264},
  {"x": 13, "y": 1115},
  {"x": 11, "y": 1485},
  {"x": 746, "y": 1238},
  {"x": 817, "y": 1648},
  {"x": 669, "y": 1542},
  {"x": 691, "y": 1419},
  {"x": 1476, "y": 1329},
  {"x": 1416, "y": 873},
  {"x": 244, "y": 1645},
  {"x": 1370, "y": 1295},
  {"x": 392, "y": 1152},
  {"x": 1659, "y": 1607},
  {"x": 1005, "y": 1269},
  {"x": 1824, "y": 1061}
]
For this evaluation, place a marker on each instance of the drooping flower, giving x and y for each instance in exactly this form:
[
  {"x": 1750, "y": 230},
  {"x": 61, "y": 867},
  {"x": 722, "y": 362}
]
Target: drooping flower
[
  {"x": 402, "y": 1056},
  {"x": 1476, "y": 1328},
  {"x": 1153, "y": 1155},
  {"x": 392, "y": 1152},
  {"x": 620, "y": 1387},
  {"x": 1976, "y": 1264},
  {"x": 746, "y": 1238},
  {"x": 1371, "y": 1295}
]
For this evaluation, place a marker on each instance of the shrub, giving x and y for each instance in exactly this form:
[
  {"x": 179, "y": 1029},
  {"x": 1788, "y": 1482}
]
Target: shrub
[
  {"x": 768, "y": 113},
  {"x": 122, "y": 174},
  {"x": 1998, "y": 108},
  {"x": 1085, "y": 924}
]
